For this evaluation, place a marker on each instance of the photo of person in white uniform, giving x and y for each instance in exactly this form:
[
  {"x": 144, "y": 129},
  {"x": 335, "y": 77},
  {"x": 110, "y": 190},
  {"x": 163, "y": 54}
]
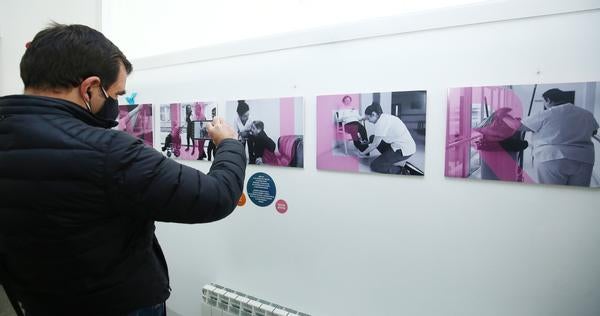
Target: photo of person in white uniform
[
  {"x": 543, "y": 133},
  {"x": 391, "y": 138},
  {"x": 372, "y": 132},
  {"x": 243, "y": 125},
  {"x": 563, "y": 152}
]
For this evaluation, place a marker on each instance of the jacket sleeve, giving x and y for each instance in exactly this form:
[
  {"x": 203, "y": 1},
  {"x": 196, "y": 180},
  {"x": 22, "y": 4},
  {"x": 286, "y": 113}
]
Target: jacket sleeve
[{"x": 143, "y": 181}]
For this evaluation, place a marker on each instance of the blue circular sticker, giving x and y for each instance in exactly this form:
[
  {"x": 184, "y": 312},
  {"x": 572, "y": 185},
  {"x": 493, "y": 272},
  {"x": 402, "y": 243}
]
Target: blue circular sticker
[{"x": 261, "y": 189}]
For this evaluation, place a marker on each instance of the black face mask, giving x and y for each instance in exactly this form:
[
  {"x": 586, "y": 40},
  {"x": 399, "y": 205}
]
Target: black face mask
[{"x": 110, "y": 110}]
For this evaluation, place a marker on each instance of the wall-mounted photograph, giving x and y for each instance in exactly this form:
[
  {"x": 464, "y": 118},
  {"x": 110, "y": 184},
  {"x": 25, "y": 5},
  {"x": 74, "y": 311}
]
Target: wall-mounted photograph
[
  {"x": 542, "y": 133},
  {"x": 136, "y": 120},
  {"x": 183, "y": 130},
  {"x": 272, "y": 130},
  {"x": 381, "y": 132}
]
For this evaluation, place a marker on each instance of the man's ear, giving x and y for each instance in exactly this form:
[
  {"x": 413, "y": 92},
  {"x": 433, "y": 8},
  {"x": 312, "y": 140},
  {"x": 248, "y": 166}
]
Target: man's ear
[{"x": 86, "y": 86}]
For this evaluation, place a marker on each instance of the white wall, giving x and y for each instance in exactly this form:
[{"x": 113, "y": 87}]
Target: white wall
[
  {"x": 191, "y": 23},
  {"x": 20, "y": 20},
  {"x": 354, "y": 244}
]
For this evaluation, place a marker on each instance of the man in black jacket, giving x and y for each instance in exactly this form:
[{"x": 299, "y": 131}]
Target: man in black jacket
[{"x": 79, "y": 200}]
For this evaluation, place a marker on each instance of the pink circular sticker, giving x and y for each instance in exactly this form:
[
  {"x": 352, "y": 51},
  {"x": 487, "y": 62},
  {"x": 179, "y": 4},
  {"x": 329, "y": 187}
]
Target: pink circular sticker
[{"x": 281, "y": 206}]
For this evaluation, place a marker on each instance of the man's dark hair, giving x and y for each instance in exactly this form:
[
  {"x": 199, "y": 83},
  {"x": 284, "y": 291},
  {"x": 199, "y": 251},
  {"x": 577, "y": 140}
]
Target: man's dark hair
[
  {"x": 242, "y": 107},
  {"x": 259, "y": 124},
  {"x": 374, "y": 107},
  {"x": 555, "y": 95},
  {"x": 62, "y": 56}
]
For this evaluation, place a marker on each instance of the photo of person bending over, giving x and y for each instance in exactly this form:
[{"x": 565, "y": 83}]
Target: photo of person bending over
[
  {"x": 391, "y": 138},
  {"x": 242, "y": 124},
  {"x": 563, "y": 151}
]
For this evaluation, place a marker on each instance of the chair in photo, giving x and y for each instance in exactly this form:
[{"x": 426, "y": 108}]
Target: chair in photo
[{"x": 290, "y": 152}]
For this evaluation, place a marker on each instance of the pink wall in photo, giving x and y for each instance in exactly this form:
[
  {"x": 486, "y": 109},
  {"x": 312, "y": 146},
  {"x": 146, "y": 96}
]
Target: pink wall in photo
[
  {"x": 458, "y": 133},
  {"x": 327, "y": 136},
  {"x": 199, "y": 110},
  {"x": 175, "y": 115},
  {"x": 287, "y": 116},
  {"x": 138, "y": 123}
]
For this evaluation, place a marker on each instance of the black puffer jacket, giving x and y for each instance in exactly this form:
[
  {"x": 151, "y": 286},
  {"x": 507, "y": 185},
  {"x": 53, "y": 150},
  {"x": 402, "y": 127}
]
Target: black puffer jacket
[{"x": 78, "y": 205}]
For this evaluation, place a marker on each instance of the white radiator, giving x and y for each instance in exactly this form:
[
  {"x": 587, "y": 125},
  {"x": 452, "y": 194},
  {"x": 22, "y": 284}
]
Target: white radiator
[{"x": 221, "y": 301}]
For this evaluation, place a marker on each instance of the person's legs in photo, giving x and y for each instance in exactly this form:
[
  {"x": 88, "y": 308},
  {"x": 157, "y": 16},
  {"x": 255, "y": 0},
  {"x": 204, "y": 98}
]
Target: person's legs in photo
[
  {"x": 581, "y": 174},
  {"x": 201, "y": 153},
  {"x": 244, "y": 142},
  {"x": 389, "y": 161},
  {"x": 189, "y": 134},
  {"x": 358, "y": 133},
  {"x": 211, "y": 147},
  {"x": 383, "y": 147},
  {"x": 251, "y": 154},
  {"x": 193, "y": 146},
  {"x": 552, "y": 172}
]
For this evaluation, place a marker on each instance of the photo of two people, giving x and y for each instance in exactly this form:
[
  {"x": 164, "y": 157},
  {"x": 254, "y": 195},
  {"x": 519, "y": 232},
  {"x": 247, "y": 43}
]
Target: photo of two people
[
  {"x": 183, "y": 130},
  {"x": 382, "y": 132},
  {"x": 539, "y": 134},
  {"x": 272, "y": 130}
]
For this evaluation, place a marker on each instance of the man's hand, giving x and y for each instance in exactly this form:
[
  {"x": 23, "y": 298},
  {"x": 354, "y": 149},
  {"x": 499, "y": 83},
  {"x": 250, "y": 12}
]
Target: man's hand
[
  {"x": 218, "y": 130},
  {"x": 259, "y": 161}
]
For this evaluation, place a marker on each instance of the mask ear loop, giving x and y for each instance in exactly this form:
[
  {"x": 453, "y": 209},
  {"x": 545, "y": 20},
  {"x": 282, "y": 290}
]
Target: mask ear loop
[
  {"x": 104, "y": 92},
  {"x": 87, "y": 104}
]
